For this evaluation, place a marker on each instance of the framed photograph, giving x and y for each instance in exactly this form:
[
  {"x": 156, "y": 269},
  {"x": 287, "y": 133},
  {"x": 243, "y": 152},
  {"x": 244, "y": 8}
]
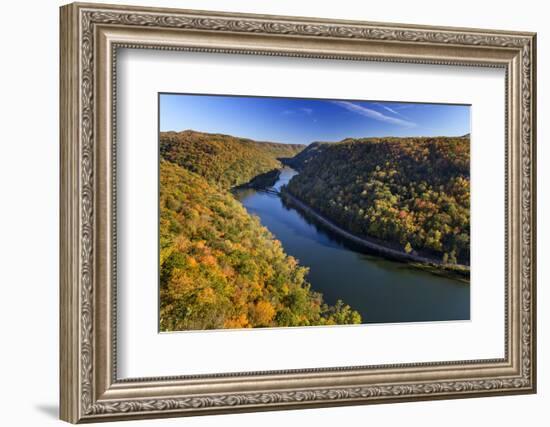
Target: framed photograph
[{"x": 265, "y": 212}]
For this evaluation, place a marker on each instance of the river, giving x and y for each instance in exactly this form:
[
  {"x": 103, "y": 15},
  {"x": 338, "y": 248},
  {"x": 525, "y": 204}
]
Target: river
[{"x": 383, "y": 291}]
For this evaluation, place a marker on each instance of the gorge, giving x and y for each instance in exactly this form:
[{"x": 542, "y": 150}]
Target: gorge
[{"x": 297, "y": 255}]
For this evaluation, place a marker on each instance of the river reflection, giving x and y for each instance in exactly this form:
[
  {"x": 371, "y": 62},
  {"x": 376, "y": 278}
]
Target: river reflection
[{"x": 381, "y": 290}]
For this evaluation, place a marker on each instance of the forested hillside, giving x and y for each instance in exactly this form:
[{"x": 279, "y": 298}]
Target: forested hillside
[
  {"x": 413, "y": 193},
  {"x": 220, "y": 268},
  {"x": 224, "y": 160},
  {"x": 300, "y": 160}
]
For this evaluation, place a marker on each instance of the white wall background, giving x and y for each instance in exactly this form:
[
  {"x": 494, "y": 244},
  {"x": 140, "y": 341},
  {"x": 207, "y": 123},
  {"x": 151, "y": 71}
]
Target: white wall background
[{"x": 29, "y": 170}]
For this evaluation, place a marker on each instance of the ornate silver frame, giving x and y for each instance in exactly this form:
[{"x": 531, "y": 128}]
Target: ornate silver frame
[{"x": 90, "y": 36}]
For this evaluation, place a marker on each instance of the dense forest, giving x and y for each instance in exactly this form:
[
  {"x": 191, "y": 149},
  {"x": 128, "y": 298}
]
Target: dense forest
[
  {"x": 305, "y": 156},
  {"x": 411, "y": 193},
  {"x": 223, "y": 160},
  {"x": 220, "y": 268}
]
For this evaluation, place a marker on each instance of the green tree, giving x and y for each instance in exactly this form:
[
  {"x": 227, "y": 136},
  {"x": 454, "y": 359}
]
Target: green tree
[
  {"x": 220, "y": 268},
  {"x": 408, "y": 192}
]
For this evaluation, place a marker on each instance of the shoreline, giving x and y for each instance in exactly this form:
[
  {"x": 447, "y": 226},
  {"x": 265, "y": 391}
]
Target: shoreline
[
  {"x": 261, "y": 181},
  {"x": 417, "y": 261}
]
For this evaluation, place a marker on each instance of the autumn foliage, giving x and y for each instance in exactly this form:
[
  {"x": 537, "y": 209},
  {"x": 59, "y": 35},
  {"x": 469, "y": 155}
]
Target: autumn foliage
[
  {"x": 411, "y": 193},
  {"x": 219, "y": 267},
  {"x": 225, "y": 161}
]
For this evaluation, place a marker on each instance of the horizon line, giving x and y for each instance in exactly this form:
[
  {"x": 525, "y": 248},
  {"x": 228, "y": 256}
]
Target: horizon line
[{"x": 468, "y": 134}]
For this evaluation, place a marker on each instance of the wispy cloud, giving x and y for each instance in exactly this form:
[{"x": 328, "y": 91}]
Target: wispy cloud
[
  {"x": 308, "y": 111},
  {"x": 391, "y": 110},
  {"x": 373, "y": 114}
]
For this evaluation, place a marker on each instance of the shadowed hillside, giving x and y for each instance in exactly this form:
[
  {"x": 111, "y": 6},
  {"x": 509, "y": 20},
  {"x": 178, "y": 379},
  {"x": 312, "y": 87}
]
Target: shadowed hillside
[
  {"x": 412, "y": 193},
  {"x": 225, "y": 160}
]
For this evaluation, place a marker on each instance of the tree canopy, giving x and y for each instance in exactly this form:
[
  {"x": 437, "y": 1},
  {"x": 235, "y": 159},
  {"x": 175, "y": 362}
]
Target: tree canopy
[
  {"x": 219, "y": 267},
  {"x": 223, "y": 160},
  {"x": 412, "y": 193}
]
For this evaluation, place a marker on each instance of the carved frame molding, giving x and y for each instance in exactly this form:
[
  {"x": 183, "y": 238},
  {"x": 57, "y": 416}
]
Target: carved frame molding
[{"x": 90, "y": 37}]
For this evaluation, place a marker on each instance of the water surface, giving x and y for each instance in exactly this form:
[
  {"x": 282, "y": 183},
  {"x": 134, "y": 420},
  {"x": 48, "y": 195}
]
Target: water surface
[{"x": 381, "y": 290}]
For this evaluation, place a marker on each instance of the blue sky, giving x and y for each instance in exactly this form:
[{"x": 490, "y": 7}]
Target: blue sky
[{"x": 302, "y": 121}]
